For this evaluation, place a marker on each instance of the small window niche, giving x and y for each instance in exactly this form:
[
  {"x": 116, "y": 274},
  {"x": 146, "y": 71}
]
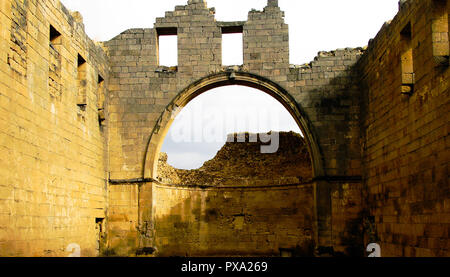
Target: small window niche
[
  {"x": 232, "y": 46},
  {"x": 55, "y": 36},
  {"x": 82, "y": 83},
  {"x": 100, "y": 233},
  {"x": 101, "y": 99},
  {"x": 168, "y": 48},
  {"x": 407, "y": 63},
  {"x": 440, "y": 33},
  {"x": 54, "y": 64}
]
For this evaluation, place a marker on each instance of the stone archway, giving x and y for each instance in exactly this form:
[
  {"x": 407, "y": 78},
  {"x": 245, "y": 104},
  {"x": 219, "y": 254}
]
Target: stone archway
[
  {"x": 225, "y": 79},
  {"x": 322, "y": 208}
]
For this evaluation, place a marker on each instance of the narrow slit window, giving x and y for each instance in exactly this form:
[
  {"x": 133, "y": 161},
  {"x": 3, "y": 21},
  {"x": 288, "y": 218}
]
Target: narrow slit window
[
  {"x": 81, "y": 78},
  {"x": 407, "y": 63},
  {"x": 101, "y": 99},
  {"x": 167, "y": 47},
  {"x": 440, "y": 32},
  {"x": 232, "y": 46},
  {"x": 55, "y": 36},
  {"x": 54, "y": 64},
  {"x": 99, "y": 230},
  {"x": 100, "y": 92}
]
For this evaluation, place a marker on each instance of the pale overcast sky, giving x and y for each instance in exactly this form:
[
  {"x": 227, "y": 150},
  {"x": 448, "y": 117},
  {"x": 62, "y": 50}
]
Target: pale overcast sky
[{"x": 314, "y": 25}]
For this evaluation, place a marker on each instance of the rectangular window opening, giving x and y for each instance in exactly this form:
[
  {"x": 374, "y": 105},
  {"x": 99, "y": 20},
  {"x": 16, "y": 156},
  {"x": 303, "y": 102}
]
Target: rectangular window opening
[
  {"x": 54, "y": 64},
  {"x": 81, "y": 79},
  {"x": 100, "y": 79},
  {"x": 99, "y": 222},
  {"x": 167, "y": 47},
  {"x": 100, "y": 232},
  {"x": 232, "y": 46},
  {"x": 407, "y": 63},
  {"x": 100, "y": 92},
  {"x": 440, "y": 31},
  {"x": 55, "y": 36},
  {"x": 81, "y": 61},
  {"x": 101, "y": 99}
]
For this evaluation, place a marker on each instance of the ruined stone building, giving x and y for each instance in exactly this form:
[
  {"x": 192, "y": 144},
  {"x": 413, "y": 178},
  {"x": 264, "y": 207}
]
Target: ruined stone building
[{"x": 82, "y": 124}]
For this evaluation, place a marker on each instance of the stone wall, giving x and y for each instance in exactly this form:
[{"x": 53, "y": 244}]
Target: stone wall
[
  {"x": 324, "y": 94},
  {"x": 52, "y": 151},
  {"x": 406, "y": 133},
  {"x": 72, "y": 155}
]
